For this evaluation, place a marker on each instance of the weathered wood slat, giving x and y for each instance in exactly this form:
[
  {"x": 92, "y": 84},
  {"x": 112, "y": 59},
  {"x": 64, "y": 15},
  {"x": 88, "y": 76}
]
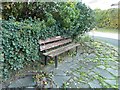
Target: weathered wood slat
[
  {"x": 47, "y": 53},
  {"x": 50, "y": 40},
  {"x": 60, "y": 50},
  {"x": 54, "y": 44}
]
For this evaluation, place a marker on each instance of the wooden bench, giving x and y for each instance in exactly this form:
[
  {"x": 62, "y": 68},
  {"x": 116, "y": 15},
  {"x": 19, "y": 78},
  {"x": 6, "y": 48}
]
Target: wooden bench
[{"x": 52, "y": 47}]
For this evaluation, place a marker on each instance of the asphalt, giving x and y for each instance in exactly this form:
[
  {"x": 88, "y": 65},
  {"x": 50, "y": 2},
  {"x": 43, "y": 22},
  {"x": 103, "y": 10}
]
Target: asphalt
[
  {"x": 109, "y": 38},
  {"x": 114, "y": 42}
]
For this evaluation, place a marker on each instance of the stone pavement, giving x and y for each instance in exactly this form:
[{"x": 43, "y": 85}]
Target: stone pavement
[
  {"x": 78, "y": 72},
  {"x": 83, "y": 70}
]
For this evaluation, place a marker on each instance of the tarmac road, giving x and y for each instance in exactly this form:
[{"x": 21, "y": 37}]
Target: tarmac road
[{"x": 106, "y": 37}]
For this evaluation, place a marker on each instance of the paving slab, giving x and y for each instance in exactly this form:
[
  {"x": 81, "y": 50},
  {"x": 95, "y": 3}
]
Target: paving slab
[
  {"x": 65, "y": 68},
  {"x": 91, "y": 73},
  {"x": 101, "y": 66},
  {"x": 84, "y": 69},
  {"x": 103, "y": 73},
  {"x": 115, "y": 67},
  {"x": 76, "y": 74},
  {"x": 67, "y": 59},
  {"x": 58, "y": 71},
  {"x": 82, "y": 85},
  {"x": 95, "y": 84},
  {"x": 92, "y": 55},
  {"x": 113, "y": 63},
  {"x": 23, "y": 82},
  {"x": 59, "y": 80},
  {"x": 72, "y": 85},
  {"x": 113, "y": 71},
  {"x": 48, "y": 68},
  {"x": 111, "y": 82},
  {"x": 90, "y": 65},
  {"x": 75, "y": 66}
]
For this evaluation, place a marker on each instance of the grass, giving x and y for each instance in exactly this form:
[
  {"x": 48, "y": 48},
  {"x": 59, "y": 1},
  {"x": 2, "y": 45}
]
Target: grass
[{"x": 106, "y": 30}]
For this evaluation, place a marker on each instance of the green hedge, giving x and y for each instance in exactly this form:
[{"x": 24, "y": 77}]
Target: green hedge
[
  {"x": 19, "y": 45},
  {"x": 20, "y": 42}
]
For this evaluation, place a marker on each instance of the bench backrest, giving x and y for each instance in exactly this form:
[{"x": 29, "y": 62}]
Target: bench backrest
[{"x": 53, "y": 42}]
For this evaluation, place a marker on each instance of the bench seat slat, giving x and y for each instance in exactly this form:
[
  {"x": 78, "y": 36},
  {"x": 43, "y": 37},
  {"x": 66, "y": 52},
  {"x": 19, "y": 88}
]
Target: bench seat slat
[
  {"x": 54, "y": 44},
  {"x": 50, "y": 40},
  {"x": 60, "y": 50}
]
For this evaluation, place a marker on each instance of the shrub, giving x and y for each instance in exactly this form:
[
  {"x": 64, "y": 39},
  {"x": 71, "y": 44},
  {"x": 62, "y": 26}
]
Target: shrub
[
  {"x": 107, "y": 18},
  {"x": 70, "y": 17}
]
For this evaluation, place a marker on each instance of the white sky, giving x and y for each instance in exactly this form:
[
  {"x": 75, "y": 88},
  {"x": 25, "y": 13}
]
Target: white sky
[{"x": 102, "y": 4}]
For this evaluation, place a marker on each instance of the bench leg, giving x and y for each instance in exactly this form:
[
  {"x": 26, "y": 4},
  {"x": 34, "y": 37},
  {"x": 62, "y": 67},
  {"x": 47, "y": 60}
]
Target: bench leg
[
  {"x": 46, "y": 60},
  {"x": 56, "y": 62},
  {"x": 76, "y": 49}
]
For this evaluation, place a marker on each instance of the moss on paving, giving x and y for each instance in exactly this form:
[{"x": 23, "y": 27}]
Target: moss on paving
[{"x": 104, "y": 53}]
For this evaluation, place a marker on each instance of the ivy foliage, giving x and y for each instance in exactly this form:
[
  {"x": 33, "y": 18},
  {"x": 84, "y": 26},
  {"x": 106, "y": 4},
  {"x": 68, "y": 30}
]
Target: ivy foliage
[
  {"x": 20, "y": 36},
  {"x": 19, "y": 44}
]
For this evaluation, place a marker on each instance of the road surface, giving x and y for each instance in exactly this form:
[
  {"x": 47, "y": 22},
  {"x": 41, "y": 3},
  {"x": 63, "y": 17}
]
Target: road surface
[{"x": 106, "y": 37}]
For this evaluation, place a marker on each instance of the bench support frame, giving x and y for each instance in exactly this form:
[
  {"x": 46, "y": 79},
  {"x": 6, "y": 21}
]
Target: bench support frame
[
  {"x": 76, "y": 49},
  {"x": 56, "y": 61},
  {"x": 46, "y": 60}
]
